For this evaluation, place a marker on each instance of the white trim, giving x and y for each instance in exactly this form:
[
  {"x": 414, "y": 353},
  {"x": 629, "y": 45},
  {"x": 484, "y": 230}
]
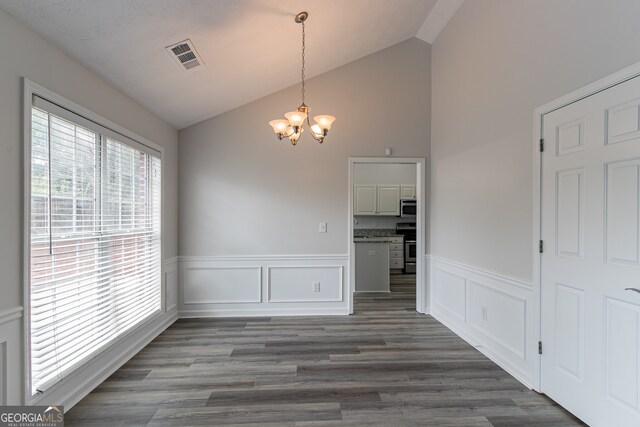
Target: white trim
[
  {"x": 185, "y": 293},
  {"x": 438, "y": 18},
  {"x": 421, "y": 286},
  {"x": 428, "y": 283},
  {"x": 263, "y": 258},
  {"x": 584, "y": 92},
  {"x": 266, "y": 312},
  {"x": 489, "y": 274},
  {"x": 340, "y": 268},
  {"x": 40, "y": 91},
  {"x": 170, "y": 266},
  {"x": 10, "y": 314},
  {"x": 171, "y": 261}
]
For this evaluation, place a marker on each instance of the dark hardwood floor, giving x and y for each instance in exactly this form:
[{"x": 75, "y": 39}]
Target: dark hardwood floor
[{"x": 384, "y": 366}]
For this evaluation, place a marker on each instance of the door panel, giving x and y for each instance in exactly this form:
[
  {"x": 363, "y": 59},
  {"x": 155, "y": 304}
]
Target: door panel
[
  {"x": 622, "y": 213},
  {"x": 591, "y": 226},
  {"x": 570, "y": 330},
  {"x": 570, "y": 212},
  {"x": 622, "y": 352}
]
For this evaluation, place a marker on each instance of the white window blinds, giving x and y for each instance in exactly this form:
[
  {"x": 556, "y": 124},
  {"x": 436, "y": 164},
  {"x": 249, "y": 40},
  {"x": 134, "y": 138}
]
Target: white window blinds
[{"x": 95, "y": 270}]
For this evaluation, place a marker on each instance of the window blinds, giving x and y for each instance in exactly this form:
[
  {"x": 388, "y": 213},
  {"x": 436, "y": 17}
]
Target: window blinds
[{"x": 95, "y": 270}]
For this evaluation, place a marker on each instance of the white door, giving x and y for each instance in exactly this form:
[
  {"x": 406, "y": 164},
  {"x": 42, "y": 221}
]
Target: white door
[
  {"x": 364, "y": 200},
  {"x": 591, "y": 236},
  {"x": 389, "y": 200}
]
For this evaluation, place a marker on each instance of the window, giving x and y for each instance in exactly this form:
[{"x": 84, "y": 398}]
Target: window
[{"x": 95, "y": 269}]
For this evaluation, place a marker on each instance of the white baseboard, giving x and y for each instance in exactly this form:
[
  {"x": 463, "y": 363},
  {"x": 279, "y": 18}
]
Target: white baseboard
[
  {"x": 274, "y": 312},
  {"x": 250, "y": 286},
  {"x": 492, "y": 312}
]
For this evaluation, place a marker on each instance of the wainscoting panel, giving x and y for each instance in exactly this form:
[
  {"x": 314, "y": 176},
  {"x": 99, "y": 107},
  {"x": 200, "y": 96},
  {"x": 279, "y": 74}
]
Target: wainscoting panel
[
  {"x": 306, "y": 283},
  {"x": 11, "y": 356},
  {"x": 171, "y": 284},
  {"x": 490, "y": 311},
  {"x": 262, "y": 286},
  {"x": 450, "y": 293},
  {"x": 222, "y": 285}
]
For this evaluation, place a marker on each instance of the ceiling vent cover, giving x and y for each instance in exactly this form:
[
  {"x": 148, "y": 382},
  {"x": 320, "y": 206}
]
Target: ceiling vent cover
[{"x": 185, "y": 54}]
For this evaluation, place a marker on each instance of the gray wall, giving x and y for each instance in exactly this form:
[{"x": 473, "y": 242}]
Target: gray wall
[
  {"x": 493, "y": 64},
  {"x": 244, "y": 193},
  {"x": 39, "y": 61}
]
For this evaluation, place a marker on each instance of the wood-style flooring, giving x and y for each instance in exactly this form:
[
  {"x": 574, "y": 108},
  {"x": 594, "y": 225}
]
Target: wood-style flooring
[{"x": 386, "y": 365}]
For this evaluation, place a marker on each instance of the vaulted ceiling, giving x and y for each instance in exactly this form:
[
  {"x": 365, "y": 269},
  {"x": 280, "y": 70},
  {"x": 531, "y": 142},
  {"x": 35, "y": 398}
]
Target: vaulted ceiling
[{"x": 250, "y": 48}]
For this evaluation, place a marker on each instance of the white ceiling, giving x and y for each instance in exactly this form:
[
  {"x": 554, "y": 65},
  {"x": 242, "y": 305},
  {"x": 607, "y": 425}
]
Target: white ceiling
[{"x": 251, "y": 48}]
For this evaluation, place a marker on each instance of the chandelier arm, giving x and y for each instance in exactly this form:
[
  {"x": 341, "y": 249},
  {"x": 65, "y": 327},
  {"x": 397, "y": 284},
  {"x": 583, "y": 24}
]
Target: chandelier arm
[
  {"x": 317, "y": 138},
  {"x": 284, "y": 135}
]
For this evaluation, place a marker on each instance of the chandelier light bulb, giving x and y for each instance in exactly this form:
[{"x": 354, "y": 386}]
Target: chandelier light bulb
[
  {"x": 279, "y": 126},
  {"x": 292, "y": 127},
  {"x": 296, "y": 118},
  {"x": 316, "y": 130},
  {"x": 324, "y": 121}
]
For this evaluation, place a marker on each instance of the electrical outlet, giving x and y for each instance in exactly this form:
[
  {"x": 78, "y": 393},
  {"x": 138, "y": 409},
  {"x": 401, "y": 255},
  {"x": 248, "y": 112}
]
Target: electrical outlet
[
  {"x": 323, "y": 227},
  {"x": 316, "y": 286},
  {"x": 372, "y": 253}
]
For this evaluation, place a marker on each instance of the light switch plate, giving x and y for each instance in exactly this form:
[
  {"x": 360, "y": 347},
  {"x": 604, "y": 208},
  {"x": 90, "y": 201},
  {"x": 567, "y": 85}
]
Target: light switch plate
[{"x": 323, "y": 227}]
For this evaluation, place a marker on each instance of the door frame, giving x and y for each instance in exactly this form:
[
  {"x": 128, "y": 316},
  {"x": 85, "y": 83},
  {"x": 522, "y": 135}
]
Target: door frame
[
  {"x": 600, "y": 85},
  {"x": 422, "y": 291}
]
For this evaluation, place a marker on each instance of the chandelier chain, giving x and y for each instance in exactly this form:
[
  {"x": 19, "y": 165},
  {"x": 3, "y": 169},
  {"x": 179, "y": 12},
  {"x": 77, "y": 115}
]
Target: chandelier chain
[{"x": 303, "y": 69}]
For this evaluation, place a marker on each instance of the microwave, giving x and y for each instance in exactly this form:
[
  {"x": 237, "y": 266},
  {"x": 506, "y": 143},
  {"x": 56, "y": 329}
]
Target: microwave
[{"x": 408, "y": 208}]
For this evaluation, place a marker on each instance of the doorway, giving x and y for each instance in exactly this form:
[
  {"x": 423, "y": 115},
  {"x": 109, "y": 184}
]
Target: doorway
[
  {"x": 374, "y": 205},
  {"x": 590, "y": 261}
]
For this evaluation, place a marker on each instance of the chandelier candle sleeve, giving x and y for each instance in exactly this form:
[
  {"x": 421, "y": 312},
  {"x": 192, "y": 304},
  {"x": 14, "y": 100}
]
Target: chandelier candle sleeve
[{"x": 292, "y": 127}]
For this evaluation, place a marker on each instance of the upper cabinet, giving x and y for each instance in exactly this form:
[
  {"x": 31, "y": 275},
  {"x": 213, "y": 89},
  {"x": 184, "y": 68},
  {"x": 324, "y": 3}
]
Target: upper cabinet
[
  {"x": 407, "y": 191},
  {"x": 389, "y": 200},
  {"x": 379, "y": 187},
  {"x": 383, "y": 200},
  {"x": 365, "y": 200}
]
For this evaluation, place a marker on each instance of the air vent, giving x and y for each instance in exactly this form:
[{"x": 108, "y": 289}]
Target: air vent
[{"x": 185, "y": 54}]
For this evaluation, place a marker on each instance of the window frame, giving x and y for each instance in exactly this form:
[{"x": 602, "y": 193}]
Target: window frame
[{"x": 31, "y": 89}]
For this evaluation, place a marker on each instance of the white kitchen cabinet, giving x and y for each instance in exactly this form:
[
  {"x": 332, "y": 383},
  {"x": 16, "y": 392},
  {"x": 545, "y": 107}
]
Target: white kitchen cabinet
[
  {"x": 382, "y": 200},
  {"x": 407, "y": 191},
  {"x": 396, "y": 264},
  {"x": 365, "y": 200},
  {"x": 389, "y": 200},
  {"x": 396, "y": 253}
]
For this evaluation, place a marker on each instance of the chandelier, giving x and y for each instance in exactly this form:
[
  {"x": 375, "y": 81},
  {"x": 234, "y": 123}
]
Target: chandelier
[{"x": 292, "y": 127}]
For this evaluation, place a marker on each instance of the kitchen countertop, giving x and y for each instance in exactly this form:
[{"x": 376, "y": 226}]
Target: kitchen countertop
[{"x": 371, "y": 235}]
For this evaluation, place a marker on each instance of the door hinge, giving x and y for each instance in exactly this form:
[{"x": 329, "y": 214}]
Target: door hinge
[
  {"x": 539, "y": 347},
  {"x": 540, "y": 247},
  {"x": 541, "y": 145}
]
